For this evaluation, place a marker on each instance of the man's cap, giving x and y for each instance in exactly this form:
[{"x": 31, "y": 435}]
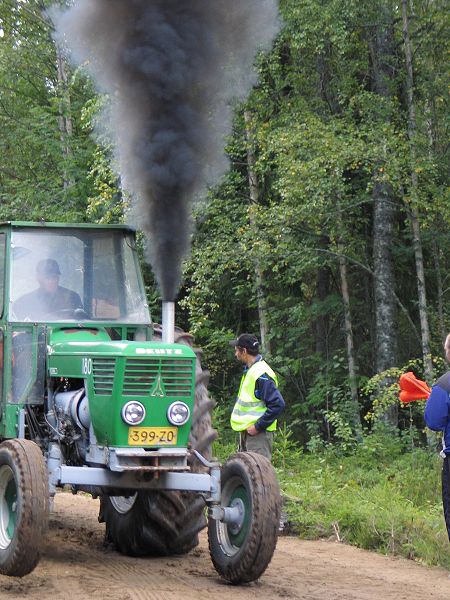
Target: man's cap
[
  {"x": 247, "y": 341},
  {"x": 48, "y": 267}
]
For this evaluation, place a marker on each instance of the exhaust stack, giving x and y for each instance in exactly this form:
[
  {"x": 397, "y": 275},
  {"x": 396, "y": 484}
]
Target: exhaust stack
[{"x": 168, "y": 322}]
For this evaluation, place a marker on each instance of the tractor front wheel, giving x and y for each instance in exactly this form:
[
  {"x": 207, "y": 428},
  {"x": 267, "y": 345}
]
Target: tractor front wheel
[
  {"x": 23, "y": 506},
  {"x": 242, "y": 549}
]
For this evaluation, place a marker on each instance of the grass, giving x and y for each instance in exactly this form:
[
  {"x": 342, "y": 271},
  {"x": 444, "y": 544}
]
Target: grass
[{"x": 390, "y": 504}]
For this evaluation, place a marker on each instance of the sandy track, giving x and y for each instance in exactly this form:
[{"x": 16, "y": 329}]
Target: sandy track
[{"x": 76, "y": 565}]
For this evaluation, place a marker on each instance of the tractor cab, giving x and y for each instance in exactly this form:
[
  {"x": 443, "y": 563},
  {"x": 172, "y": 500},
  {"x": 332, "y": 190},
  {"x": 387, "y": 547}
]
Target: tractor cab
[{"x": 61, "y": 277}]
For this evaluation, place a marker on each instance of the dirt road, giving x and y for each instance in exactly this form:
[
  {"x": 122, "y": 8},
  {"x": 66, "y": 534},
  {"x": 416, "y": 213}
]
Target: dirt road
[{"x": 77, "y": 566}]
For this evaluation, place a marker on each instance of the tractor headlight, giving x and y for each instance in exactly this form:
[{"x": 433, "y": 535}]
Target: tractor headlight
[
  {"x": 178, "y": 413},
  {"x": 133, "y": 413}
]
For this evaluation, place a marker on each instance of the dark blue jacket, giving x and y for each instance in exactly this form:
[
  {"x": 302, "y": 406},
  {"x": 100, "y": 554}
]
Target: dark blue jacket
[
  {"x": 267, "y": 391},
  {"x": 437, "y": 410}
]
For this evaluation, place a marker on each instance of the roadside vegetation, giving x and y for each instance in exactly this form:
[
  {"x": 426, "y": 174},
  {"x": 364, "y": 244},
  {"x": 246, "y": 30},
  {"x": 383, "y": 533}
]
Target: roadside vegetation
[{"x": 381, "y": 495}]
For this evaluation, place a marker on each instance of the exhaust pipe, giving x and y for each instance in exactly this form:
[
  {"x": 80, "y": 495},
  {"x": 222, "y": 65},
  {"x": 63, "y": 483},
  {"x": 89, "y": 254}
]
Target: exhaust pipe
[{"x": 168, "y": 322}]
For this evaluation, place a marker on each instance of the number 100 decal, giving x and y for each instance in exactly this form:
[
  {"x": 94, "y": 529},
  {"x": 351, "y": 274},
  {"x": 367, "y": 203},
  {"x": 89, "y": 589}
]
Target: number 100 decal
[{"x": 86, "y": 366}]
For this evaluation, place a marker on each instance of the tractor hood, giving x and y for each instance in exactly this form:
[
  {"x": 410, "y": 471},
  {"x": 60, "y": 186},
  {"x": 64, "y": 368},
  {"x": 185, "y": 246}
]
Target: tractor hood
[
  {"x": 115, "y": 373},
  {"x": 71, "y": 350}
]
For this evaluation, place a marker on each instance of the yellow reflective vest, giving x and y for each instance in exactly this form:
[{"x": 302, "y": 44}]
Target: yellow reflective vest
[{"x": 248, "y": 408}]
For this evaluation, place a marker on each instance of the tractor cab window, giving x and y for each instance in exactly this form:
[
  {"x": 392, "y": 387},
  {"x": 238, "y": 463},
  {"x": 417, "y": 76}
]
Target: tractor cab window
[{"x": 75, "y": 275}]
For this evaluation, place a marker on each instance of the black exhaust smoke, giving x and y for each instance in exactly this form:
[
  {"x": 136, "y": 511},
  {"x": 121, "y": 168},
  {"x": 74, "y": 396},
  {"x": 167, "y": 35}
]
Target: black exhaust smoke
[{"x": 171, "y": 68}]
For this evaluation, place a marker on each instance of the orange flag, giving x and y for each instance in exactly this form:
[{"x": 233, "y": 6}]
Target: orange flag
[{"x": 412, "y": 389}]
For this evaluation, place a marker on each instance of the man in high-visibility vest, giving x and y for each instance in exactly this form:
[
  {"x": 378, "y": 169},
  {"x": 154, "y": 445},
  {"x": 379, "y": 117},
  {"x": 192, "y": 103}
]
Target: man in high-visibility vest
[{"x": 259, "y": 402}]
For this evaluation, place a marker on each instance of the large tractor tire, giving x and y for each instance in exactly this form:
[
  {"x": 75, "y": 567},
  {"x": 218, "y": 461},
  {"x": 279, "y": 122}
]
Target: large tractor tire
[
  {"x": 241, "y": 551},
  {"x": 24, "y": 506},
  {"x": 152, "y": 523}
]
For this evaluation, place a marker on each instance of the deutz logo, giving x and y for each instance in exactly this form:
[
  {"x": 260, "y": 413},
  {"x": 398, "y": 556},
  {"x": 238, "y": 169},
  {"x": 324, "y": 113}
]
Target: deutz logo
[
  {"x": 159, "y": 351},
  {"x": 158, "y": 388}
]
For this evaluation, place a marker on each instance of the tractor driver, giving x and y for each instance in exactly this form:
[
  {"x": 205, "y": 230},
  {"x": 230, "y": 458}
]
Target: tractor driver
[{"x": 49, "y": 299}]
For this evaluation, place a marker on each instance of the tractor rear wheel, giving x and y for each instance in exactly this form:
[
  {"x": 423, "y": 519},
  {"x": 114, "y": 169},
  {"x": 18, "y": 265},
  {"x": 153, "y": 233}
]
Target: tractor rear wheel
[
  {"x": 242, "y": 550},
  {"x": 24, "y": 506},
  {"x": 164, "y": 523},
  {"x": 153, "y": 523}
]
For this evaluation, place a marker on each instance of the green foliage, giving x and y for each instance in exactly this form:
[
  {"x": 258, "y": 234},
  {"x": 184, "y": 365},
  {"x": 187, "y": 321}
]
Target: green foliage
[
  {"x": 286, "y": 451},
  {"x": 107, "y": 203},
  {"x": 342, "y": 430},
  {"x": 221, "y": 450},
  {"x": 44, "y": 150},
  {"x": 383, "y": 388}
]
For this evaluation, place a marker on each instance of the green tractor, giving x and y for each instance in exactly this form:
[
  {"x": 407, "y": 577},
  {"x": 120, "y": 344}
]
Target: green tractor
[{"x": 96, "y": 398}]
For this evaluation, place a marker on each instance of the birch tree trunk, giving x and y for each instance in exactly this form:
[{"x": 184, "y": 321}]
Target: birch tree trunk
[
  {"x": 348, "y": 326},
  {"x": 381, "y": 49},
  {"x": 254, "y": 201},
  {"x": 414, "y": 217}
]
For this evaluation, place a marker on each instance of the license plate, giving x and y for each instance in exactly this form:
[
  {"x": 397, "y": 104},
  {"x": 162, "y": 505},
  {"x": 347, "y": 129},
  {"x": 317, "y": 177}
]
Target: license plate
[{"x": 152, "y": 436}]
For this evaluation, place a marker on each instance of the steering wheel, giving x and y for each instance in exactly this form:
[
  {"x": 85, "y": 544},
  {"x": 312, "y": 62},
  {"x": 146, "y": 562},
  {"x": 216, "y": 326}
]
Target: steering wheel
[{"x": 73, "y": 313}]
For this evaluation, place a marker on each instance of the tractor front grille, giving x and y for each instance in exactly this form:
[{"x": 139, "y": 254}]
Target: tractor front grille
[
  {"x": 169, "y": 377},
  {"x": 103, "y": 375}
]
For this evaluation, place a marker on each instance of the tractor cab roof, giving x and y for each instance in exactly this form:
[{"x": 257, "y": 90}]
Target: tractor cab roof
[{"x": 45, "y": 225}]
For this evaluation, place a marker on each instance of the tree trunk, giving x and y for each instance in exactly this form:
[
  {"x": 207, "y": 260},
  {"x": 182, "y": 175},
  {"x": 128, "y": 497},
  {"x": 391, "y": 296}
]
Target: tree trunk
[
  {"x": 413, "y": 213},
  {"x": 348, "y": 328},
  {"x": 384, "y": 285},
  {"x": 420, "y": 271},
  {"x": 254, "y": 201},
  {"x": 381, "y": 49}
]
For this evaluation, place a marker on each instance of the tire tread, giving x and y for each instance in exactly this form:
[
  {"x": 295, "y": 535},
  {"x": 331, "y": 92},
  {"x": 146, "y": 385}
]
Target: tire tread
[
  {"x": 27, "y": 461},
  {"x": 253, "y": 558}
]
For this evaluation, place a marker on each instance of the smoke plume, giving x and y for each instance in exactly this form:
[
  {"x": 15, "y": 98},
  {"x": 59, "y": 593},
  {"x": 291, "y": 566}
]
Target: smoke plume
[{"x": 172, "y": 68}]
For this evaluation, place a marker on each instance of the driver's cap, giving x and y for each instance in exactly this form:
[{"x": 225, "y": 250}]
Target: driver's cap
[{"x": 48, "y": 267}]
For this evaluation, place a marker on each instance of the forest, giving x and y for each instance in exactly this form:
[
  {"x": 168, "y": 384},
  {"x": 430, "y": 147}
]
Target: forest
[{"x": 325, "y": 238}]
